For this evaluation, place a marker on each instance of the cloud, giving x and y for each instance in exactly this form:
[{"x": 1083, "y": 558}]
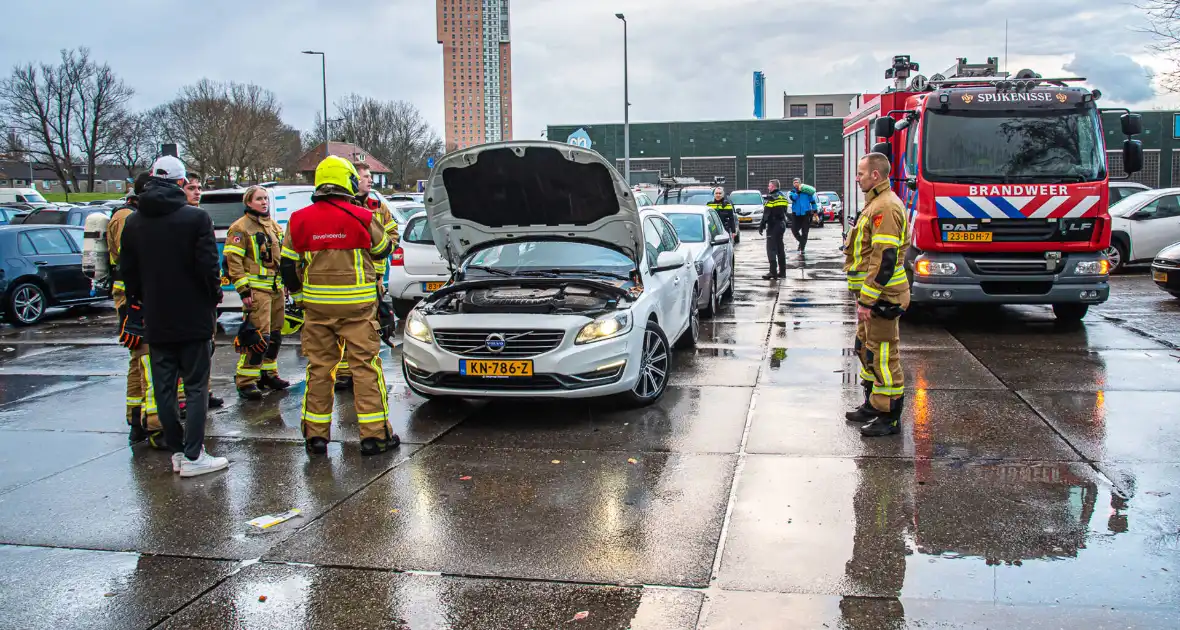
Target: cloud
[{"x": 1118, "y": 76}]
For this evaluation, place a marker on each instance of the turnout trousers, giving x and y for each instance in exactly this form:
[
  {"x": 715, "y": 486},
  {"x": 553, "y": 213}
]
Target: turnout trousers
[
  {"x": 877, "y": 344},
  {"x": 141, "y": 399},
  {"x": 267, "y": 316},
  {"x": 344, "y": 333}
]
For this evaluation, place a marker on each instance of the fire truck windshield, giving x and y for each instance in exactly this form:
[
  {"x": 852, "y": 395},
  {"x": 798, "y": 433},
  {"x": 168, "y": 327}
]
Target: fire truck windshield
[{"x": 1003, "y": 146}]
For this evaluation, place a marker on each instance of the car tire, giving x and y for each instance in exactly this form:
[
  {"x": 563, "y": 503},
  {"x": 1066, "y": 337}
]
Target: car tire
[
  {"x": 1117, "y": 254},
  {"x": 688, "y": 339},
  {"x": 410, "y": 384},
  {"x": 1070, "y": 313},
  {"x": 711, "y": 306},
  {"x": 26, "y": 304},
  {"x": 655, "y": 354}
]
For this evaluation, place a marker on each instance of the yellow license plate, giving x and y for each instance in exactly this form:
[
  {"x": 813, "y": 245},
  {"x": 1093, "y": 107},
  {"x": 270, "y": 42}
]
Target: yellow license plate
[
  {"x": 473, "y": 367},
  {"x": 745, "y": 219},
  {"x": 968, "y": 237},
  {"x": 430, "y": 287},
  {"x": 1159, "y": 276}
]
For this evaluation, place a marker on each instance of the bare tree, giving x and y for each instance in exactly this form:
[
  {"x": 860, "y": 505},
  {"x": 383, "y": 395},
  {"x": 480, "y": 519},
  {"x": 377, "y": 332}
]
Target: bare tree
[
  {"x": 38, "y": 102},
  {"x": 14, "y": 147},
  {"x": 1164, "y": 17},
  {"x": 394, "y": 132},
  {"x": 102, "y": 106},
  {"x": 134, "y": 142}
]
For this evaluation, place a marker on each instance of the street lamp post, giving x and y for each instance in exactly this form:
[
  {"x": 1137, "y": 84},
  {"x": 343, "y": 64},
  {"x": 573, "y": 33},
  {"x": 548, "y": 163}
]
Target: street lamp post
[
  {"x": 626, "y": 108},
  {"x": 324, "y": 65}
]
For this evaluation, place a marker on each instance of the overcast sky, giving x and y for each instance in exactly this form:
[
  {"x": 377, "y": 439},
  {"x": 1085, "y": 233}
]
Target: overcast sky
[{"x": 689, "y": 59}]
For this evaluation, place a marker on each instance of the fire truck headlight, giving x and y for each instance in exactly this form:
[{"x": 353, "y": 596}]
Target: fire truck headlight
[
  {"x": 1092, "y": 268},
  {"x": 935, "y": 268}
]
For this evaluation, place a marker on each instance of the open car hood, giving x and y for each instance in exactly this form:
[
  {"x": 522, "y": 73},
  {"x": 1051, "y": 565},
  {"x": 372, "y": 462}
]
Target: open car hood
[{"x": 519, "y": 190}]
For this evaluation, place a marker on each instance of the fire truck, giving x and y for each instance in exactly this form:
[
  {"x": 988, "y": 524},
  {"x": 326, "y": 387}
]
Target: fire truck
[{"x": 1004, "y": 179}]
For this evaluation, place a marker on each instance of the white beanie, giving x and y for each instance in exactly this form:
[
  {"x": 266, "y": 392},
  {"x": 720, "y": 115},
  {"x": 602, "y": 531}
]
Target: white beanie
[{"x": 169, "y": 167}]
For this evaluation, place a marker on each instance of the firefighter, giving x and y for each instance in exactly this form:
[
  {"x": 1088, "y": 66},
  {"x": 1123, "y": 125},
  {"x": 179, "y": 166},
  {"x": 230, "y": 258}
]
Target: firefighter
[
  {"x": 774, "y": 224},
  {"x": 327, "y": 264},
  {"x": 724, "y": 210},
  {"x": 141, "y": 400},
  {"x": 252, "y": 252},
  {"x": 385, "y": 216},
  {"x": 874, "y": 261}
]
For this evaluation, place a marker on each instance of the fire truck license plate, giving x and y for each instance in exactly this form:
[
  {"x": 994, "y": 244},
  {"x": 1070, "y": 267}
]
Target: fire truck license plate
[
  {"x": 471, "y": 367},
  {"x": 967, "y": 237}
]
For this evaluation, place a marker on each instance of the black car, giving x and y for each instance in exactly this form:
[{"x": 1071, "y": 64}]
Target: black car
[
  {"x": 41, "y": 268},
  {"x": 1165, "y": 269},
  {"x": 62, "y": 216}
]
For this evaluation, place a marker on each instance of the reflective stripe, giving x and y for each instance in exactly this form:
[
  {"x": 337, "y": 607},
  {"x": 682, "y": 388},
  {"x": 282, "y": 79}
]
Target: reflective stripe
[
  {"x": 241, "y": 282},
  {"x": 869, "y": 292},
  {"x": 886, "y": 239},
  {"x": 234, "y": 249},
  {"x": 882, "y": 390},
  {"x": 289, "y": 253},
  {"x": 856, "y": 247},
  {"x": 866, "y": 375},
  {"x": 883, "y": 363},
  {"x": 376, "y": 416},
  {"x": 358, "y": 266},
  {"x": 318, "y": 418},
  {"x": 298, "y": 296},
  {"x": 391, "y": 226},
  {"x": 271, "y": 366},
  {"x": 899, "y": 277},
  {"x": 149, "y": 398},
  {"x": 244, "y": 370},
  {"x": 120, "y": 286},
  {"x": 134, "y": 402},
  {"x": 855, "y": 285}
]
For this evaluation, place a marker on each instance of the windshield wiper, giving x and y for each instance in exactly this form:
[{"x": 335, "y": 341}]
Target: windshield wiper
[
  {"x": 498, "y": 272},
  {"x": 588, "y": 272}
]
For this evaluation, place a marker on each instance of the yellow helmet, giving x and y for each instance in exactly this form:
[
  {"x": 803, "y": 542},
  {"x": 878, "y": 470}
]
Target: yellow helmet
[{"x": 337, "y": 171}]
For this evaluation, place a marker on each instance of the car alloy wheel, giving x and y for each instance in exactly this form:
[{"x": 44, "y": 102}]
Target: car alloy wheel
[
  {"x": 1115, "y": 255},
  {"x": 653, "y": 370},
  {"x": 28, "y": 304}
]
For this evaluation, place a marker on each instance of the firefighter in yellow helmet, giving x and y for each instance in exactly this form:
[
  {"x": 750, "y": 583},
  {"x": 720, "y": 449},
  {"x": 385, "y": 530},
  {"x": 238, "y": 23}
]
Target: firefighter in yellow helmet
[
  {"x": 875, "y": 263},
  {"x": 385, "y": 216},
  {"x": 327, "y": 264},
  {"x": 252, "y": 252}
]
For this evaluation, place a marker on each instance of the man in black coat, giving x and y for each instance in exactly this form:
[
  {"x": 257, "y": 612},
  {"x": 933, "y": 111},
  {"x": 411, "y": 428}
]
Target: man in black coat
[{"x": 170, "y": 266}]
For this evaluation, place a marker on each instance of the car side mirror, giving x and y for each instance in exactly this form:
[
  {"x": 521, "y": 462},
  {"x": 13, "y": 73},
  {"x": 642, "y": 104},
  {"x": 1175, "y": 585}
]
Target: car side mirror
[
  {"x": 1132, "y": 124},
  {"x": 884, "y": 126},
  {"x": 668, "y": 261},
  {"x": 884, "y": 148},
  {"x": 1132, "y": 156},
  {"x": 721, "y": 239}
]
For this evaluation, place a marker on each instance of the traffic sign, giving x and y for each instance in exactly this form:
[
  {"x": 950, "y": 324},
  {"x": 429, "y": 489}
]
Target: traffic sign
[{"x": 429, "y": 162}]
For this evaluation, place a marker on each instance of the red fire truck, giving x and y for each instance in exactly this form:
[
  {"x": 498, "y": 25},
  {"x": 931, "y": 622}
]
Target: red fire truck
[{"x": 1004, "y": 179}]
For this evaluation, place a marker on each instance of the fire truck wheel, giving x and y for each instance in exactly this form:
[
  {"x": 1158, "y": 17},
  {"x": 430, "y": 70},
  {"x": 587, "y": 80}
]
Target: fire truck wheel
[{"x": 1070, "y": 313}]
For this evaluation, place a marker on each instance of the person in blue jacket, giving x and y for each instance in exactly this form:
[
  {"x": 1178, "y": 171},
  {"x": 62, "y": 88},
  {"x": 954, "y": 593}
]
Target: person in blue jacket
[{"x": 802, "y": 206}]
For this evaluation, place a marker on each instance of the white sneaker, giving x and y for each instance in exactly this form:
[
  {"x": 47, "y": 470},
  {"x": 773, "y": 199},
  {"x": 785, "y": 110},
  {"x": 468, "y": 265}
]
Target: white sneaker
[
  {"x": 177, "y": 458},
  {"x": 204, "y": 464}
]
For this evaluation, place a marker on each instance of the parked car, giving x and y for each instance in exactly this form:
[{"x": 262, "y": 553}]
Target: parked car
[
  {"x": 1122, "y": 189},
  {"x": 63, "y": 216},
  {"x": 564, "y": 288},
  {"x": 830, "y": 206},
  {"x": 403, "y": 210},
  {"x": 41, "y": 268},
  {"x": 416, "y": 268},
  {"x": 707, "y": 246},
  {"x": 6, "y": 215},
  {"x": 23, "y": 195},
  {"x": 686, "y": 196},
  {"x": 1142, "y": 225},
  {"x": 1165, "y": 269},
  {"x": 748, "y": 205},
  {"x": 415, "y": 197}
]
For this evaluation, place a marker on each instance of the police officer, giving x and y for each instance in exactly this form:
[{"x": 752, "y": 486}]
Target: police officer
[
  {"x": 724, "y": 210},
  {"x": 327, "y": 264},
  {"x": 385, "y": 216},
  {"x": 252, "y": 252},
  {"x": 774, "y": 224},
  {"x": 874, "y": 261}
]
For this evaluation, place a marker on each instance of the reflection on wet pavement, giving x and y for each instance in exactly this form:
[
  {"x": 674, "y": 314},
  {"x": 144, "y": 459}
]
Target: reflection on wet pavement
[{"x": 1035, "y": 484}]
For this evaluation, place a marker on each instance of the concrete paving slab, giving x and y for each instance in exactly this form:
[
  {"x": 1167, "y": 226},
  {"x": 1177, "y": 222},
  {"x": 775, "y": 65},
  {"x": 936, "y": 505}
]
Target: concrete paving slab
[
  {"x": 132, "y": 501},
  {"x": 592, "y": 517},
  {"x": 725, "y": 366},
  {"x": 1116, "y": 426},
  {"x": 787, "y": 611},
  {"x": 69, "y": 589},
  {"x": 942, "y": 424},
  {"x": 1029, "y": 533},
  {"x": 1090, "y": 335},
  {"x": 685, "y": 420},
  {"x": 924, "y": 368},
  {"x": 750, "y": 334},
  {"x": 26, "y": 456},
  {"x": 816, "y": 334},
  {"x": 746, "y": 312},
  {"x": 313, "y": 598},
  {"x": 25, "y": 387},
  {"x": 1086, "y": 371}
]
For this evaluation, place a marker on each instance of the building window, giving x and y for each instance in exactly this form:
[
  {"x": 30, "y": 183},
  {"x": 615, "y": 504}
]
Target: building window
[
  {"x": 825, "y": 109},
  {"x": 798, "y": 111}
]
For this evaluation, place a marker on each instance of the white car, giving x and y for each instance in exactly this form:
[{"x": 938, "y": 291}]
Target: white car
[
  {"x": 564, "y": 288},
  {"x": 1142, "y": 225},
  {"x": 1120, "y": 190},
  {"x": 412, "y": 197},
  {"x": 416, "y": 268},
  {"x": 748, "y": 205},
  {"x": 709, "y": 249}
]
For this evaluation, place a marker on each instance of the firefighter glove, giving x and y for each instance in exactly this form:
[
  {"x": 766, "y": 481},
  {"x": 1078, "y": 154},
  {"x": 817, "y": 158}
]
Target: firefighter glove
[
  {"x": 132, "y": 328},
  {"x": 387, "y": 322},
  {"x": 249, "y": 339}
]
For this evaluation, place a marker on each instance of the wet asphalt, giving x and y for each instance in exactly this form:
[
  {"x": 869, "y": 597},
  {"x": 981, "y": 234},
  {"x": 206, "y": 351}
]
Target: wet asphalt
[{"x": 1036, "y": 484}]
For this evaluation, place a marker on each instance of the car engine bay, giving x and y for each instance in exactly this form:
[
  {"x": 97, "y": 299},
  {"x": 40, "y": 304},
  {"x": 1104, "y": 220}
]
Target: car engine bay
[{"x": 551, "y": 299}]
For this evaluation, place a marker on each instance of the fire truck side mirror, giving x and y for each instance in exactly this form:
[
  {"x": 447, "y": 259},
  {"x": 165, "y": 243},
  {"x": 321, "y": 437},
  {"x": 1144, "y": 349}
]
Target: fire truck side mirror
[
  {"x": 1132, "y": 156},
  {"x": 1132, "y": 124},
  {"x": 883, "y": 127},
  {"x": 886, "y": 149}
]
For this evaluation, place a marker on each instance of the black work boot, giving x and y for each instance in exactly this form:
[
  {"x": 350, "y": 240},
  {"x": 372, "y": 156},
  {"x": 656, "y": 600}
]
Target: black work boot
[
  {"x": 376, "y": 446},
  {"x": 270, "y": 381},
  {"x": 885, "y": 423},
  {"x": 864, "y": 413},
  {"x": 215, "y": 402},
  {"x": 155, "y": 439},
  {"x": 316, "y": 445},
  {"x": 250, "y": 392},
  {"x": 136, "y": 433},
  {"x": 770, "y": 276},
  {"x": 343, "y": 383}
]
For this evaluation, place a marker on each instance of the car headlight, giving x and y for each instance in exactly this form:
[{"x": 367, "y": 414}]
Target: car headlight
[
  {"x": 1092, "y": 267},
  {"x": 934, "y": 268},
  {"x": 700, "y": 265},
  {"x": 605, "y": 327},
  {"x": 417, "y": 327}
]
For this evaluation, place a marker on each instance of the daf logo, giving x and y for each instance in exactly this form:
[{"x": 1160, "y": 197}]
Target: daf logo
[
  {"x": 958, "y": 227},
  {"x": 495, "y": 342}
]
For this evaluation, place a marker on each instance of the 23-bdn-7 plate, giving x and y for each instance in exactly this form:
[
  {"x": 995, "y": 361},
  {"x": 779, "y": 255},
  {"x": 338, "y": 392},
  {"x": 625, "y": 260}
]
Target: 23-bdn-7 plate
[{"x": 495, "y": 368}]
